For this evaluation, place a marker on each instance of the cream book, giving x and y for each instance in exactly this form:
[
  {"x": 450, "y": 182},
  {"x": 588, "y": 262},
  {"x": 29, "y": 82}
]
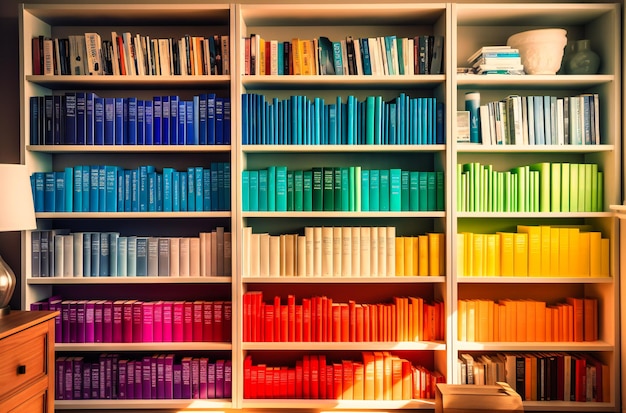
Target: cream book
[
  {"x": 254, "y": 252},
  {"x": 274, "y": 255},
  {"x": 184, "y": 257},
  {"x": 308, "y": 234},
  {"x": 290, "y": 255},
  {"x": 382, "y": 251},
  {"x": 365, "y": 251},
  {"x": 174, "y": 257},
  {"x": 317, "y": 251},
  {"x": 327, "y": 252},
  {"x": 194, "y": 257},
  {"x": 301, "y": 256},
  {"x": 246, "y": 244},
  {"x": 346, "y": 252},
  {"x": 264, "y": 255},
  {"x": 337, "y": 251},
  {"x": 373, "y": 252},
  {"x": 356, "y": 251},
  {"x": 391, "y": 251}
]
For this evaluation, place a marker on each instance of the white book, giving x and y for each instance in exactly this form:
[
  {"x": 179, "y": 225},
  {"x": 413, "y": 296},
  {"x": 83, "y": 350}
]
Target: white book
[
  {"x": 344, "y": 56},
  {"x": 374, "y": 49},
  {"x": 57, "y": 58},
  {"x": 265, "y": 255},
  {"x": 485, "y": 129},
  {"x": 140, "y": 54},
  {"x": 68, "y": 256},
  {"x": 560, "y": 132},
  {"x": 194, "y": 257},
  {"x": 48, "y": 57},
  {"x": 273, "y": 57},
  {"x": 317, "y": 251},
  {"x": 406, "y": 56},
  {"x": 122, "y": 257},
  {"x": 153, "y": 256},
  {"x": 337, "y": 252},
  {"x": 129, "y": 52},
  {"x": 78, "y": 253},
  {"x": 391, "y": 251},
  {"x": 301, "y": 256},
  {"x": 382, "y": 251},
  {"x": 210, "y": 256},
  {"x": 308, "y": 234},
  {"x": 530, "y": 117},
  {"x": 182, "y": 57},
  {"x": 274, "y": 255},
  {"x": 174, "y": 257},
  {"x": 246, "y": 244},
  {"x": 164, "y": 57},
  {"x": 156, "y": 58},
  {"x": 78, "y": 55},
  {"x": 346, "y": 252},
  {"x": 383, "y": 56},
  {"x": 58, "y": 255},
  {"x": 255, "y": 251},
  {"x": 365, "y": 268},
  {"x": 327, "y": 252},
  {"x": 93, "y": 44},
  {"x": 184, "y": 257}
]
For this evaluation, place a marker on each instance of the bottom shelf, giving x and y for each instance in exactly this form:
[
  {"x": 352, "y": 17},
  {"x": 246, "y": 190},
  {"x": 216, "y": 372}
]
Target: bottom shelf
[
  {"x": 325, "y": 405},
  {"x": 142, "y": 404}
]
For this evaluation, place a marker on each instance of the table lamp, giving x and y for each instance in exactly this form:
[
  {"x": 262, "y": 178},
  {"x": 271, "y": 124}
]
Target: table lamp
[{"x": 16, "y": 214}]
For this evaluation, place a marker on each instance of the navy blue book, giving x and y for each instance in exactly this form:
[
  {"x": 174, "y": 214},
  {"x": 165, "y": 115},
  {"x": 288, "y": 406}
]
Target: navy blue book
[
  {"x": 196, "y": 119},
  {"x": 165, "y": 120},
  {"x": 48, "y": 120},
  {"x": 109, "y": 121},
  {"x": 34, "y": 120},
  {"x": 219, "y": 121},
  {"x": 202, "y": 113},
  {"x": 141, "y": 122},
  {"x": 131, "y": 122},
  {"x": 189, "y": 126},
  {"x": 226, "y": 125},
  {"x": 58, "y": 126},
  {"x": 244, "y": 119},
  {"x": 81, "y": 101},
  {"x": 119, "y": 122},
  {"x": 70, "y": 119},
  {"x": 210, "y": 119},
  {"x": 182, "y": 122},
  {"x": 174, "y": 103},
  {"x": 148, "y": 123},
  {"x": 90, "y": 102},
  {"x": 157, "y": 114}
]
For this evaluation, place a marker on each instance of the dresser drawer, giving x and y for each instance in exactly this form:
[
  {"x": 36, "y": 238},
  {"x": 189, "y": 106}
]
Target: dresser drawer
[{"x": 24, "y": 358}]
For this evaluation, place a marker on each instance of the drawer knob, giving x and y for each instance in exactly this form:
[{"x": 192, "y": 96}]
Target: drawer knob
[{"x": 21, "y": 369}]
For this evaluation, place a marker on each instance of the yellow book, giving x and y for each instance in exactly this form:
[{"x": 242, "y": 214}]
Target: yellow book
[
  {"x": 583, "y": 252},
  {"x": 545, "y": 251},
  {"x": 595, "y": 254},
  {"x": 399, "y": 256},
  {"x": 564, "y": 255},
  {"x": 417, "y": 259},
  {"x": 262, "y": 56},
  {"x": 506, "y": 254},
  {"x": 296, "y": 48},
  {"x": 358, "y": 381},
  {"x": 534, "y": 248},
  {"x": 306, "y": 56},
  {"x": 554, "y": 252},
  {"x": 604, "y": 258},
  {"x": 478, "y": 252},
  {"x": 369, "y": 362},
  {"x": 434, "y": 247},
  {"x": 471, "y": 319},
  {"x": 408, "y": 256},
  {"x": 574, "y": 252},
  {"x": 498, "y": 269},
  {"x": 441, "y": 238},
  {"x": 469, "y": 253},
  {"x": 491, "y": 253},
  {"x": 460, "y": 255},
  {"x": 520, "y": 255},
  {"x": 388, "y": 375},
  {"x": 462, "y": 320}
]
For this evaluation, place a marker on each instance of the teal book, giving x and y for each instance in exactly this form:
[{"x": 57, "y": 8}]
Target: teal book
[
  {"x": 378, "y": 120},
  {"x": 167, "y": 189},
  {"x": 111, "y": 188},
  {"x": 254, "y": 190},
  {"x": 102, "y": 187},
  {"x": 370, "y": 115},
  {"x": 281, "y": 188},
  {"x": 198, "y": 187},
  {"x": 317, "y": 189},
  {"x": 77, "y": 187},
  {"x": 374, "y": 190},
  {"x": 263, "y": 189},
  {"x": 431, "y": 189},
  {"x": 423, "y": 192},
  {"x": 345, "y": 189},
  {"x": 414, "y": 194},
  {"x": 184, "y": 191},
  {"x": 337, "y": 188},
  {"x": 176, "y": 191},
  {"x": 245, "y": 191},
  {"x": 395, "y": 195},
  {"x": 365, "y": 190},
  {"x": 404, "y": 191},
  {"x": 384, "y": 190},
  {"x": 307, "y": 191},
  {"x": 152, "y": 191},
  {"x": 271, "y": 188},
  {"x": 357, "y": 188},
  {"x": 298, "y": 191},
  {"x": 290, "y": 191},
  {"x": 441, "y": 191},
  {"x": 328, "y": 188},
  {"x": 69, "y": 189}
]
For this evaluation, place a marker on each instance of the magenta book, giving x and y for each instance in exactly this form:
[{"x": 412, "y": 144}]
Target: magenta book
[
  {"x": 169, "y": 376},
  {"x": 147, "y": 322},
  {"x": 207, "y": 321},
  {"x": 219, "y": 379},
  {"x": 90, "y": 309},
  {"x": 168, "y": 318},
  {"x": 80, "y": 320},
  {"x": 198, "y": 307},
  {"x": 137, "y": 322},
  {"x": 188, "y": 321},
  {"x": 127, "y": 320},
  {"x": 177, "y": 321},
  {"x": 202, "y": 377},
  {"x": 186, "y": 378},
  {"x": 157, "y": 321},
  {"x": 211, "y": 381},
  {"x": 107, "y": 322}
]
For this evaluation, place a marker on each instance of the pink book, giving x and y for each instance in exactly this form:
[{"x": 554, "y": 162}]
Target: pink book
[
  {"x": 204, "y": 365},
  {"x": 177, "y": 321},
  {"x": 118, "y": 321},
  {"x": 198, "y": 307},
  {"x": 157, "y": 322},
  {"x": 137, "y": 330},
  {"x": 147, "y": 322},
  {"x": 127, "y": 320},
  {"x": 219, "y": 379},
  {"x": 168, "y": 318},
  {"x": 218, "y": 313},
  {"x": 207, "y": 321},
  {"x": 188, "y": 321},
  {"x": 169, "y": 376},
  {"x": 122, "y": 377},
  {"x": 98, "y": 321},
  {"x": 107, "y": 322},
  {"x": 90, "y": 310},
  {"x": 227, "y": 321},
  {"x": 80, "y": 320},
  {"x": 211, "y": 381}
]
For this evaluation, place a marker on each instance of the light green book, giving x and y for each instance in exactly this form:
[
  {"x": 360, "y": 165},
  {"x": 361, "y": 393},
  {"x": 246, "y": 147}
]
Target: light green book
[
  {"x": 581, "y": 187},
  {"x": 588, "y": 186},
  {"x": 600, "y": 191},
  {"x": 573, "y": 188},
  {"x": 395, "y": 195},
  {"x": 594, "y": 188},
  {"x": 555, "y": 187},
  {"x": 565, "y": 191},
  {"x": 460, "y": 188}
]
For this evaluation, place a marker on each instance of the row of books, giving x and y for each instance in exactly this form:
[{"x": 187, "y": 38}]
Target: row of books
[
  {"x": 534, "y": 251},
  {"x": 128, "y": 54},
  {"x": 481, "y": 320},
  {"x": 109, "y": 188},
  {"x": 541, "y": 120},
  {"x": 59, "y": 253},
  {"x": 137, "y": 321},
  {"x": 84, "y": 118},
  {"x": 538, "y": 187},
  {"x": 341, "y": 189},
  {"x": 378, "y": 56},
  {"x": 298, "y": 120},
  {"x": 377, "y": 376},
  {"x": 575, "y": 377},
  {"x": 159, "y": 376},
  {"x": 343, "y": 252},
  {"x": 320, "y": 319}
]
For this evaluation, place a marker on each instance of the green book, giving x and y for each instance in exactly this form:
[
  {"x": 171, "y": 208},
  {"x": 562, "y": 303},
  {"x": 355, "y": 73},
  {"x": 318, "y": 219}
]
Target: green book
[
  {"x": 374, "y": 190},
  {"x": 423, "y": 191},
  {"x": 254, "y": 190},
  {"x": 245, "y": 191},
  {"x": 600, "y": 191},
  {"x": 357, "y": 188},
  {"x": 521, "y": 191},
  {"x": 365, "y": 190},
  {"x": 555, "y": 187},
  {"x": 594, "y": 188},
  {"x": 565, "y": 190},
  {"x": 281, "y": 188},
  {"x": 290, "y": 191},
  {"x": 317, "y": 189},
  {"x": 271, "y": 188},
  {"x": 263, "y": 190},
  {"x": 581, "y": 187},
  {"x": 441, "y": 190},
  {"x": 544, "y": 184},
  {"x": 414, "y": 195},
  {"x": 431, "y": 189},
  {"x": 506, "y": 180},
  {"x": 298, "y": 191},
  {"x": 328, "y": 188},
  {"x": 352, "y": 201},
  {"x": 384, "y": 189},
  {"x": 395, "y": 195},
  {"x": 337, "y": 188},
  {"x": 460, "y": 188},
  {"x": 404, "y": 191},
  {"x": 573, "y": 188},
  {"x": 588, "y": 180},
  {"x": 345, "y": 189},
  {"x": 307, "y": 191}
]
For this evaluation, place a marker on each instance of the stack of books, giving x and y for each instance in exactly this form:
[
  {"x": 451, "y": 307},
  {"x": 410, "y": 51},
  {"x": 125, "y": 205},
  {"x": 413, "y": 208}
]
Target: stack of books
[{"x": 502, "y": 60}]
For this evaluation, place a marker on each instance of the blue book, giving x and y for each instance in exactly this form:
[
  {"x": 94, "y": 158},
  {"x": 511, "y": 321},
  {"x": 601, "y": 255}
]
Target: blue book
[
  {"x": 225, "y": 191},
  {"x": 219, "y": 121},
  {"x": 196, "y": 119},
  {"x": 94, "y": 193},
  {"x": 206, "y": 189},
  {"x": 90, "y": 102},
  {"x": 183, "y": 190},
  {"x": 54, "y": 197},
  {"x": 176, "y": 191},
  {"x": 192, "y": 138},
  {"x": 127, "y": 191},
  {"x": 95, "y": 254},
  {"x": 102, "y": 193},
  {"x": 70, "y": 119},
  {"x": 121, "y": 189},
  {"x": 120, "y": 126},
  {"x": 131, "y": 256},
  {"x": 215, "y": 189},
  {"x": 78, "y": 189},
  {"x": 374, "y": 190},
  {"x": 81, "y": 101},
  {"x": 148, "y": 124},
  {"x": 104, "y": 255},
  {"x": 245, "y": 132},
  {"x": 87, "y": 254},
  {"x": 109, "y": 121},
  {"x": 69, "y": 188},
  {"x": 39, "y": 179},
  {"x": 157, "y": 115},
  {"x": 98, "y": 133},
  {"x": 271, "y": 188},
  {"x": 211, "y": 120},
  {"x": 141, "y": 122},
  {"x": 245, "y": 191},
  {"x": 174, "y": 103},
  {"x": 191, "y": 188},
  {"x": 182, "y": 122},
  {"x": 152, "y": 190},
  {"x": 165, "y": 120},
  {"x": 144, "y": 171},
  {"x": 199, "y": 188},
  {"x": 85, "y": 178},
  {"x": 130, "y": 134},
  {"x": 337, "y": 58},
  {"x": 167, "y": 189},
  {"x": 547, "y": 121},
  {"x": 365, "y": 53},
  {"x": 141, "y": 259},
  {"x": 111, "y": 188},
  {"x": 134, "y": 190},
  {"x": 202, "y": 124},
  {"x": 253, "y": 194}
]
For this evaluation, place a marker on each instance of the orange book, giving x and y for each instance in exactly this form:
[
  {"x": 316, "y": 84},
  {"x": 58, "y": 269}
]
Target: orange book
[
  {"x": 540, "y": 323},
  {"x": 296, "y": 47},
  {"x": 379, "y": 375},
  {"x": 531, "y": 321},
  {"x": 521, "y": 332},
  {"x": 482, "y": 321},
  {"x": 460, "y": 256},
  {"x": 366, "y": 323},
  {"x": 358, "y": 309},
  {"x": 352, "y": 321},
  {"x": 396, "y": 379},
  {"x": 387, "y": 375},
  {"x": 347, "y": 386},
  {"x": 495, "y": 310},
  {"x": 578, "y": 318},
  {"x": 357, "y": 381},
  {"x": 423, "y": 255},
  {"x": 369, "y": 375},
  {"x": 604, "y": 258},
  {"x": 407, "y": 380},
  {"x": 338, "y": 381},
  {"x": 398, "y": 309},
  {"x": 503, "y": 323},
  {"x": 590, "y": 319},
  {"x": 374, "y": 322},
  {"x": 533, "y": 377},
  {"x": 461, "y": 314},
  {"x": 511, "y": 320},
  {"x": 548, "y": 333},
  {"x": 528, "y": 375},
  {"x": 471, "y": 320}
]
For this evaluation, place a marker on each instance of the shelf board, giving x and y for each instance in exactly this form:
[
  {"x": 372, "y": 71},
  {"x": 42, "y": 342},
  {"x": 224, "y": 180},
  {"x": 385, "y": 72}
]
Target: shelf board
[
  {"x": 563, "y": 406},
  {"x": 330, "y": 82},
  {"x": 115, "y": 347},
  {"x": 342, "y": 280},
  {"x": 82, "y": 149},
  {"x": 128, "y": 280},
  {"x": 89, "y": 405},
  {"x": 535, "y": 280},
  {"x": 551, "y": 215},
  {"x": 342, "y": 346},
  {"x": 344, "y": 214},
  {"x": 106, "y": 82},
  {"x": 132, "y": 215},
  {"x": 529, "y": 82},
  {"x": 248, "y": 149},
  {"x": 328, "y": 405},
  {"x": 478, "y": 148},
  {"x": 535, "y": 346}
]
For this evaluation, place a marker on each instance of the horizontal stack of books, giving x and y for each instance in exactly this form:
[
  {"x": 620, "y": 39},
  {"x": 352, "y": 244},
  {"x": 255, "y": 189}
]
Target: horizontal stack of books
[{"x": 502, "y": 60}]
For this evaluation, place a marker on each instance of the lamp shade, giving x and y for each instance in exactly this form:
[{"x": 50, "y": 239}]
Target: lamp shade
[{"x": 16, "y": 200}]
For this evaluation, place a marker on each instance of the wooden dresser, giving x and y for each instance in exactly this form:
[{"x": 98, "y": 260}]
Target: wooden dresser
[{"x": 27, "y": 362}]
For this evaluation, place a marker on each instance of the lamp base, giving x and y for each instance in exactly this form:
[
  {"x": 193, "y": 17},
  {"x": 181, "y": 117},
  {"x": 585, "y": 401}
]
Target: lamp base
[{"x": 5, "y": 311}]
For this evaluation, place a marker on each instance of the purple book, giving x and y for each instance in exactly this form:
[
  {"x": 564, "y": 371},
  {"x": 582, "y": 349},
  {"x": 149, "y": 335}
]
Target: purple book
[
  {"x": 211, "y": 381},
  {"x": 95, "y": 381},
  {"x": 59, "y": 393},
  {"x": 130, "y": 380},
  {"x": 169, "y": 380},
  {"x": 118, "y": 321},
  {"x": 168, "y": 314},
  {"x": 80, "y": 320},
  {"x": 114, "y": 375},
  {"x": 228, "y": 379},
  {"x": 77, "y": 380},
  {"x": 177, "y": 381},
  {"x": 160, "y": 377},
  {"x": 219, "y": 379},
  {"x": 145, "y": 378},
  {"x": 73, "y": 321},
  {"x": 127, "y": 320},
  {"x": 65, "y": 321},
  {"x": 153, "y": 377},
  {"x": 102, "y": 380},
  {"x": 123, "y": 377},
  {"x": 186, "y": 378},
  {"x": 38, "y": 306},
  {"x": 203, "y": 377},
  {"x": 86, "y": 381},
  {"x": 107, "y": 321},
  {"x": 187, "y": 321},
  {"x": 90, "y": 307},
  {"x": 68, "y": 378},
  {"x": 98, "y": 321},
  {"x": 137, "y": 322},
  {"x": 177, "y": 321},
  {"x": 55, "y": 305},
  {"x": 146, "y": 324},
  {"x": 138, "y": 379},
  {"x": 108, "y": 376},
  {"x": 195, "y": 378},
  {"x": 157, "y": 322}
]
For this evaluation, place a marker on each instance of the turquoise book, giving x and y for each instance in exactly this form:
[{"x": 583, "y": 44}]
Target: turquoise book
[
  {"x": 176, "y": 191},
  {"x": 226, "y": 195},
  {"x": 290, "y": 191},
  {"x": 317, "y": 189},
  {"x": 198, "y": 187},
  {"x": 111, "y": 188},
  {"x": 77, "y": 177},
  {"x": 337, "y": 188},
  {"x": 85, "y": 188},
  {"x": 207, "y": 194},
  {"x": 423, "y": 192},
  {"x": 191, "y": 188},
  {"x": 384, "y": 190},
  {"x": 263, "y": 188},
  {"x": 69, "y": 189},
  {"x": 271, "y": 188},
  {"x": 414, "y": 194},
  {"x": 370, "y": 115},
  {"x": 374, "y": 190},
  {"x": 395, "y": 195},
  {"x": 365, "y": 190},
  {"x": 404, "y": 191},
  {"x": 245, "y": 191},
  {"x": 328, "y": 188},
  {"x": 281, "y": 189},
  {"x": 431, "y": 189},
  {"x": 345, "y": 189},
  {"x": 307, "y": 191},
  {"x": 254, "y": 191},
  {"x": 298, "y": 191},
  {"x": 102, "y": 205},
  {"x": 167, "y": 189},
  {"x": 183, "y": 190}
]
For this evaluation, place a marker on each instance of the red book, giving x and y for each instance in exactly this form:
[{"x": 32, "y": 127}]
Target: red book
[
  {"x": 261, "y": 381},
  {"x": 269, "y": 382},
  {"x": 328, "y": 316},
  {"x": 247, "y": 315},
  {"x": 359, "y": 334},
  {"x": 284, "y": 323},
  {"x": 177, "y": 321},
  {"x": 254, "y": 376},
  {"x": 291, "y": 318},
  {"x": 581, "y": 378},
  {"x": 207, "y": 321},
  {"x": 284, "y": 382},
  {"x": 306, "y": 319},
  {"x": 268, "y": 326},
  {"x": 352, "y": 320},
  {"x": 277, "y": 322},
  {"x": 227, "y": 322},
  {"x": 268, "y": 58},
  {"x": 218, "y": 321},
  {"x": 276, "y": 381},
  {"x": 314, "y": 377},
  {"x": 345, "y": 322},
  {"x": 291, "y": 383},
  {"x": 366, "y": 323},
  {"x": 157, "y": 322},
  {"x": 197, "y": 320},
  {"x": 330, "y": 382},
  {"x": 168, "y": 321},
  {"x": 247, "y": 366},
  {"x": 314, "y": 314},
  {"x": 319, "y": 331},
  {"x": 336, "y": 322},
  {"x": 299, "y": 379},
  {"x": 299, "y": 315},
  {"x": 36, "y": 53},
  {"x": 306, "y": 377},
  {"x": 257, "y": 320},
  {"x": 145, "y": 313},
  {"x": 322, "y": 376},
  {"x": 337, "y": 381}
]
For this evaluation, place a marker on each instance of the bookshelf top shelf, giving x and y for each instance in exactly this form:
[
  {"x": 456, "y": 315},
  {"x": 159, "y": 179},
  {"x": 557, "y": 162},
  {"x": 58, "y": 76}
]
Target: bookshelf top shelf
[
  {"x": 535, "y": 280},
  {"x": 535, "y": 346},
  {"x": 128, "y": 280},
  {"x": 131, "y": 215}
]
